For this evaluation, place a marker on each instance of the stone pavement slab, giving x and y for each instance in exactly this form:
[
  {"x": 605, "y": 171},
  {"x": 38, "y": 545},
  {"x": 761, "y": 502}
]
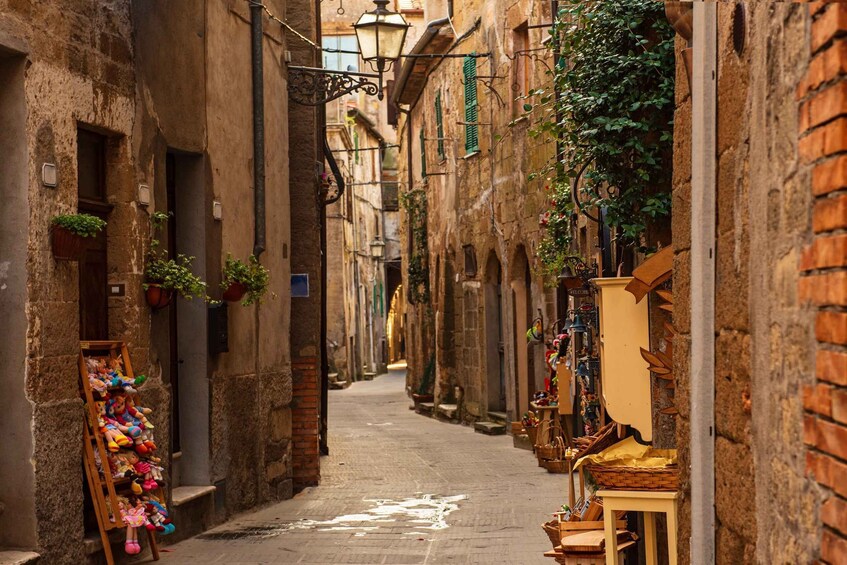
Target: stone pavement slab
[{"x": 397, "y": 488}]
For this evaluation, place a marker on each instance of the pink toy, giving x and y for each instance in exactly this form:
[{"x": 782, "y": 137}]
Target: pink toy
[{"x": 134, "y": 518}]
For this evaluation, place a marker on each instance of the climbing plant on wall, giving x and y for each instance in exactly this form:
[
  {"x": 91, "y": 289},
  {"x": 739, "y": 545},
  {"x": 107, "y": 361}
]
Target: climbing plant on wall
[
  {"x": 613, "y": 115},
  {"x": 414, "y": 202}
]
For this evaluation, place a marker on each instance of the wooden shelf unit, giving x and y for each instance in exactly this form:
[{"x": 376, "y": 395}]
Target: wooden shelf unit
[{"x": 103, "y": 487}]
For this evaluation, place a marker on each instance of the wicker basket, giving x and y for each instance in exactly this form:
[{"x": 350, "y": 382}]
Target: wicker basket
[
  {"x": 635, "y": 478},
  {"x": 604, "y": 438},
  {"x": 547, "y": 452},
  {"x": 517, "y": 428},
  {"x": 558, "y": 466},
  {"x": 551, "y": 528}
]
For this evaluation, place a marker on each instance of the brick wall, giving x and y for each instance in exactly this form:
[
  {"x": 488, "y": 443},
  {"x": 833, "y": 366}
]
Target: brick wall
[
  {"x": 304, "y": 421},
  {"x": 823, "y": 283}
]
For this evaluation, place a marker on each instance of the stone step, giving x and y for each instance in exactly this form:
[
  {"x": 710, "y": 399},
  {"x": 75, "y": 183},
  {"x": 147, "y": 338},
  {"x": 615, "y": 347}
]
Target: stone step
[
  {"x": 337, "y": 385},
  {"x": 447, "y": 411},
  {"x": 500, "y": 417},
  {"x": 193, "y": 511},
  {"x": 369, "y": 376},
  {"x": 18, "y": 557},
  {"x": 425, "y": 408},
  {"x": 489, "y": 428}
]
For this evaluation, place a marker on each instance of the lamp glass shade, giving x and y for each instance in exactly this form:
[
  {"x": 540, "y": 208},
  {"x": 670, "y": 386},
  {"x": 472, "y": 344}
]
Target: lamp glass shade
[
  {"x": 381, "y": 35},
  {"x": 377, "y": 249}
]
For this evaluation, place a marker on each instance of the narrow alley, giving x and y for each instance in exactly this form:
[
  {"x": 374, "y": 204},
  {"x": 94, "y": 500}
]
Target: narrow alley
[{"x": 397, "y": 488}]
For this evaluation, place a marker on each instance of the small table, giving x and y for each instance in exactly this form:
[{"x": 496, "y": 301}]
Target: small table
[{"x": 648, "y": 502}]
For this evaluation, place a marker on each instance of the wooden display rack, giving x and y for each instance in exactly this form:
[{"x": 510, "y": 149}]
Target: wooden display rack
[{"x": 103, "y": 487}]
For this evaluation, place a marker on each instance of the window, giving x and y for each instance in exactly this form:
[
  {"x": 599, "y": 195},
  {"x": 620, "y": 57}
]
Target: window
[
  {"x": 423, "y": 155},
  {"x": 471, "y": 109},
  {"x": 439, "y": 126},
  {"x": 91, "y": 163},
  {"x": 341, "y": 61},
  {"x": 520, "y": 68}
]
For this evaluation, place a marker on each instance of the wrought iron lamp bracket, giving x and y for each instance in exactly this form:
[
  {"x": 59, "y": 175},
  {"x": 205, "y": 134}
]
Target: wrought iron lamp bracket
[{"x": 314, "y": 87}]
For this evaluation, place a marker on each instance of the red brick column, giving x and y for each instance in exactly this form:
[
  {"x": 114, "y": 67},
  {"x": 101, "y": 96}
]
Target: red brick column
[
  {"x": 304, "y": 421},
  {"x": 823, "y": 282}
]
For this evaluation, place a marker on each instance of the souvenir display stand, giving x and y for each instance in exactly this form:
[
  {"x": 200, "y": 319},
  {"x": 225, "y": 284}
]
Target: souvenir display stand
[{"x": 124, "y": 478}]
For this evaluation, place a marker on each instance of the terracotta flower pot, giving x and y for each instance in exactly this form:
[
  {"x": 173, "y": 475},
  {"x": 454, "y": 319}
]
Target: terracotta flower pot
[
  {"x": 67, "y": 246},
  {"x": 158, "y": 297},
  {"x": 235, "y": 292}
]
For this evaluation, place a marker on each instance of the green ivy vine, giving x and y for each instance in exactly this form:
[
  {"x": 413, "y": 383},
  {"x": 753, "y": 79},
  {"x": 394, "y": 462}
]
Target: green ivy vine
[
  {"x": 614, "y": 118},
  {"x": 414, "y": 202}
]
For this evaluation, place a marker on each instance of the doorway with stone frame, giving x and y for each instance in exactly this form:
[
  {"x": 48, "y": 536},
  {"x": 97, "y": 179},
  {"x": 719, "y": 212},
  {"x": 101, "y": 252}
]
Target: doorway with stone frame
[{"x": 494, "y": 336}]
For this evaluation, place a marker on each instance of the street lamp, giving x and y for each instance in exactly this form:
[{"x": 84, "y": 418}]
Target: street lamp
[
  {"x": 381, "y": 34},
  {"x": 377, "y": 249}
]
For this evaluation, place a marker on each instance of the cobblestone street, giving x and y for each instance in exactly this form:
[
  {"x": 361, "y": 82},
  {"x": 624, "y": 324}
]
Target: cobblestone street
[{"x": 398, "y": 488}]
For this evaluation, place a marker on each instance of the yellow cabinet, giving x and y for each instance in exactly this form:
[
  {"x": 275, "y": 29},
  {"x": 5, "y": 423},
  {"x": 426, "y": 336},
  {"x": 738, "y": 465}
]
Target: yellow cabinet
[{"x": 624, "y": 330}]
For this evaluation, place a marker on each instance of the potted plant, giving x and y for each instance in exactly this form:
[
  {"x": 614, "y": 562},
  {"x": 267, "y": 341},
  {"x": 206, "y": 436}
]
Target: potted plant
[
  {"x": 68, "y": 233},
  {"x": 240, "y": 279},
  {"x": 165, "y": 277},
  {"x": 168, "y": 276}
]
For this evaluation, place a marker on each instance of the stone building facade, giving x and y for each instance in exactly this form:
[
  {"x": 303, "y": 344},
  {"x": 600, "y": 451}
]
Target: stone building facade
[
  {"x": 364, "y": 221},
  {"x": 125, "y": 97},
  {"x": 779, "y": 322},
  {"x": 466, "y": 336}
]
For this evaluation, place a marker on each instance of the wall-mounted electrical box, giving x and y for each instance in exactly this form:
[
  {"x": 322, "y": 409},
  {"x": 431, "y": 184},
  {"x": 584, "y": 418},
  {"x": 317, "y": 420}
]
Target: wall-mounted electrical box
[{"x": 218, "y": 328}]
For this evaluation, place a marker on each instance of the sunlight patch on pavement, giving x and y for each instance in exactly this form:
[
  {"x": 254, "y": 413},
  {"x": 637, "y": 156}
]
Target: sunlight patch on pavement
[{"x": 425, "y": 512}]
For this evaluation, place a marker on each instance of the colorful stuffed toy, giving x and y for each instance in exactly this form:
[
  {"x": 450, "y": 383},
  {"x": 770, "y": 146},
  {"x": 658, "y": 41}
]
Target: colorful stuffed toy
[{"x": 133, "y": 515}]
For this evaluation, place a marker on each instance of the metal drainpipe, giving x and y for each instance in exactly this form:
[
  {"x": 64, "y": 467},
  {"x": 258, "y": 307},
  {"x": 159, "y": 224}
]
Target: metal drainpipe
[
  {"x": 320, "y": 137},
  {"x": 702, "y": 368},
  {"x": 410, "y": 181},
  {"x": 257, "y": 59}
]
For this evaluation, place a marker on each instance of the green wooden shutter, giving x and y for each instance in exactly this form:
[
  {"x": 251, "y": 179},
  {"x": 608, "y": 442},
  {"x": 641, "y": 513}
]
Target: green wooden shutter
[
  {"x": 423, "y": 155},
  {"x": 439, "y": 126},
  {"x": 471, "y": 107},
  {"x": 356, "y": 144}
]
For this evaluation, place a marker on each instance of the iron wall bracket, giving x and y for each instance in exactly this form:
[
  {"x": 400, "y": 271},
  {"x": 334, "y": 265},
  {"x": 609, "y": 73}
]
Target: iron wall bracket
[{"x": 313, "y": 87}]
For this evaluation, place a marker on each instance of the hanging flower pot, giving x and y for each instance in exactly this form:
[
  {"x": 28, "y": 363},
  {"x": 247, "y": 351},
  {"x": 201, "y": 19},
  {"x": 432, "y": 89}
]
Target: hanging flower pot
[
  {"x": 67, "y": 246},
  {"x": 157, "y": 296},
  {"x": 235, "y": 292}
]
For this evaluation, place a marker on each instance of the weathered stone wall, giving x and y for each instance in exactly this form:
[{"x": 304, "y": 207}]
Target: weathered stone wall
[
  {"x": 82, "y": 68},
  {"x": 306, "y": 226},
  {"x": 197, "y": 118},
  {"x": 765, "y": 507},
  {"x": 483, "y": 200},
  {"x": 79, "y": 71}
]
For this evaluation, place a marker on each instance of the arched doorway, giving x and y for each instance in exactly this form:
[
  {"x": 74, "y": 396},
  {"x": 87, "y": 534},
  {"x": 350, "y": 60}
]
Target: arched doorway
[
  {"x": 521, "y": 284},
  {"x": 494, "y": 346},
  {"x": 395, "y": 327}
]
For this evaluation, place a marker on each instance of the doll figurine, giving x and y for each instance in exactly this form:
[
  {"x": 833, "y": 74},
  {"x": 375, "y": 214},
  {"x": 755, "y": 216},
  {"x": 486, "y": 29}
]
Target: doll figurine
[
  {"x": 156, "y": 468},
  {"x": 155, "y": 520},
  {"x": 163, "y": 512},
  {"x": 114, "y": 438},
  {"x": 134, "y": 517},
  {"x": 143, "y": 470},
  {"x": 116, "y": 412},
  {"x": 123, "y": 464},
  {"x": 139, "y": 414}
]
